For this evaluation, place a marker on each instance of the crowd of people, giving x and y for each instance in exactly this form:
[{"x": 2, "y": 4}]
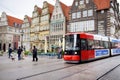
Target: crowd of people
[
  {"x": 20, "y": 53},
  {"x": 21, "y": 50}
]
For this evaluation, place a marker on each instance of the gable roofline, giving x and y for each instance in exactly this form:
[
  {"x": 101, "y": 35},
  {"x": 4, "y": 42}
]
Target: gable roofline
[
  {"x": 29, "y": 18},
  {"x": 38, "y": 9},
  {"x": 65, "y": 9}
]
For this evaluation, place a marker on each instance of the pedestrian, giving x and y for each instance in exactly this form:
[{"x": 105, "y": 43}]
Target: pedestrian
[
  {"x": 10, "y": 51},
  {"x": 59, "y": 50},
  {"x": 34, "y": 52},
  {"x": 22, "y": 53},
  {"x": 19, "y": 53}
]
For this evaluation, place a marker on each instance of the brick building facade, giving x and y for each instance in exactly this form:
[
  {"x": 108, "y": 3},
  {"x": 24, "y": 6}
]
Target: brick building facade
[{"x": 95, "y": 16}]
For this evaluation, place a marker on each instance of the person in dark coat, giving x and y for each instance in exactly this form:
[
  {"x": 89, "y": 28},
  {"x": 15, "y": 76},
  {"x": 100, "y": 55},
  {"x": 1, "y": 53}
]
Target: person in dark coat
[
  {"x": 34, "y": 53},
  {"x": 10, "y": 51},
  {"x": 19, "y": 53}
]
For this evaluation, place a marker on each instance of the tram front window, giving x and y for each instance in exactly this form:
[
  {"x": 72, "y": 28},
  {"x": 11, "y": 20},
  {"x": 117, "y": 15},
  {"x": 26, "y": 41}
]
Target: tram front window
[{"x": 71, "y": 43}]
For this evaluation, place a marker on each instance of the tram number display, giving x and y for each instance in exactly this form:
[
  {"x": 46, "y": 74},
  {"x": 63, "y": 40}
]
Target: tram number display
[{"x": 100, "y": 53}]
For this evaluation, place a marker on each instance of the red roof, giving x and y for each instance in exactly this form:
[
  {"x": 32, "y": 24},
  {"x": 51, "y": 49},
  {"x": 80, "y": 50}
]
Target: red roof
[
  {"x": 39, "y": 10},
  {"x": 65, "y": 9},
  {"x": 29, "y": 19},
  {"x": 12, "y": 20},
  {"x": 102, "y": 4},
  {"x": 51, "y": 7}
]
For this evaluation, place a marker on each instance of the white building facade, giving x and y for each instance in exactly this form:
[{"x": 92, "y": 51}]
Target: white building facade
[{"x": 26, "y": 32}]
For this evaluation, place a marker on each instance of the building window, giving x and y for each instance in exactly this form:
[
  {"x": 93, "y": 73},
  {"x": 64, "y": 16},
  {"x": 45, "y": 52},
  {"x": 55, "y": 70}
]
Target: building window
[
  {"x": 81, "y": 2},
  {"x": 76, "y": 3},
  {"x": 112, "y": 4},
  {"x": 84, "y": 13},
  {"x": 102, "y": 11},
  {"x": 82, "y": 26},
  {"x": 78, "y": 14},
  {"x": 87, "y": 1},
  {"x": 54, "y": 17},
  {"x": 111, "y": 10},
  {"x": 59, "y": 15},
  {"x": 90, "y": 12},
  {"x": 73, "y": 15}
]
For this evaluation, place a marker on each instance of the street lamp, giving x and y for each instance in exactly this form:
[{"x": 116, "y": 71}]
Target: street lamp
[
  {"x": 22, "y": 32},
  {"x": 62, "y": 42}
]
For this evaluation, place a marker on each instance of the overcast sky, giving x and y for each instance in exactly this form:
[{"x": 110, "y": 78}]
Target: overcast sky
[{"x": 19, "y": 8}]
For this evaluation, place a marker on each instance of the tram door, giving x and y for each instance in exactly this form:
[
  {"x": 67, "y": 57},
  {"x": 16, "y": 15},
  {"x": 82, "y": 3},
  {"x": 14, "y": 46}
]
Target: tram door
[{"x": 84, "y": 54}]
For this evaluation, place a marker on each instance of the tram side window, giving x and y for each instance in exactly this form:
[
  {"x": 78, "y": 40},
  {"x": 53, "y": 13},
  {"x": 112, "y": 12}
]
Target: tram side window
[
  {"x": 83, "y": 44},
  {"x": 101, "y": 46},
  {"x": 106, "y": 44},
  {"x": 90, "y": 44},
  {"x": 98, "y": 44},
  {"x": 114, "y": 45}
]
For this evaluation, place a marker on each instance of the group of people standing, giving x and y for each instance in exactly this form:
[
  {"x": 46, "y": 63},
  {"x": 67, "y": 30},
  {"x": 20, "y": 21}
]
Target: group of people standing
[{"x": 20, "y": 52}]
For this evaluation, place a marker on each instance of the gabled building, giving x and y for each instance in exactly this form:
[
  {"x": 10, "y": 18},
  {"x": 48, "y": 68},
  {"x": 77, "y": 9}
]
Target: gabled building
[
  {"x": 35, "y": 27},
  {"x": 95, "y": 16},
  {"x": 58, "y": 25},
  {"x": 10, "y": 34},
  {"x": 46, "y": 14},
  {"x": 26, "y": 32}
]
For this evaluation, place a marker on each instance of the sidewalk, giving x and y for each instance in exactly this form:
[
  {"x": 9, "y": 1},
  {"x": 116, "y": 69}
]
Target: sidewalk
[
  {"x": 7, "y": 63},
  {"x": 12, "y": 70}
]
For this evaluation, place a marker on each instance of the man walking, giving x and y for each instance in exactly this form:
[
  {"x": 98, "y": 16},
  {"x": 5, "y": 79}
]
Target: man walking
[
  {"x": 19, "y": 53},
  {"x": 34, "y": 53}
]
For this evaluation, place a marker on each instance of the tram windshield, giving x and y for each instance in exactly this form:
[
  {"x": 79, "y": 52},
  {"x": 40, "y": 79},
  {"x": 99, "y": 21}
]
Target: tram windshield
[{"x": 71, "y": 42}]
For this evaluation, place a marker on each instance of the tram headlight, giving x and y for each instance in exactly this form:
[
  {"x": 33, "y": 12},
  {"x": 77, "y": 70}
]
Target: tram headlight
[{"x": 75, "y": 53}]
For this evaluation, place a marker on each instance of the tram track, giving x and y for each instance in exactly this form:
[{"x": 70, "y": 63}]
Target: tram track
[
  {"x": 88, "y": 65},
  {"x": 87, "y": 68},
  {"x": 53, "y": 71},
  {"x": 108, "y": 72},
  {"x": 45, "y": 72}
]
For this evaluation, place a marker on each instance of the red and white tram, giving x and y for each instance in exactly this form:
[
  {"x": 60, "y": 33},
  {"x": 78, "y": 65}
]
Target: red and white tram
[{"x": 81, "y": 47}]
